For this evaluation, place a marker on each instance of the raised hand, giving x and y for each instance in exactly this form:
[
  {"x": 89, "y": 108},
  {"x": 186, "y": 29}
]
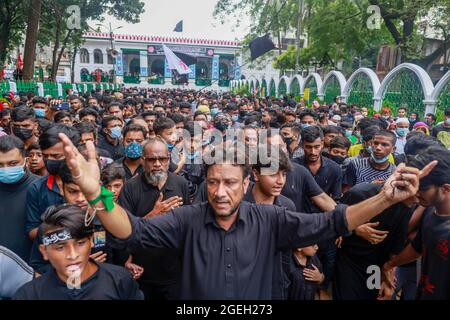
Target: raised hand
[
  {"x": 404, "y": 182},
  {"x": 86, "y": 173},
  {"x": 163, "y": 206}
]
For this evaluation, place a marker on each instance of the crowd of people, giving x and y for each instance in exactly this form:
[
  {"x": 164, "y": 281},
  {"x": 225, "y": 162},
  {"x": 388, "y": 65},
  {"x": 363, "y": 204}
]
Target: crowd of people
[{"x": 108, "y": 195}]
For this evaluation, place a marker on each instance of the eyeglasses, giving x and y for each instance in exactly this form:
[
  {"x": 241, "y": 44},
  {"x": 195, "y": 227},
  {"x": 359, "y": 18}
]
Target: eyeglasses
[{"x": 152, "y": 160}]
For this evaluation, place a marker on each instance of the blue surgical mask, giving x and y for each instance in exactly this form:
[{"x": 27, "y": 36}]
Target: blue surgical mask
[
  {"x": 305, "y": 125},
  {"x": 133, "y": 150},
  {"x": 348, "y": 133},
  {"x": 377, "y": 160},
  {"x": 170, "y": 146},
  {"x": 40, "y": 113},
  {"x": 235, "y": 117},
  {"x": 12, "y": 174},
  {"x": 402, "y": 132},
  {"x": 116, "y": 132}
]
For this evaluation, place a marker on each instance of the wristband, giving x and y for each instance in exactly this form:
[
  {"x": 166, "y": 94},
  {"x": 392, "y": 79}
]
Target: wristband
[{"x": 107, "y": 197}]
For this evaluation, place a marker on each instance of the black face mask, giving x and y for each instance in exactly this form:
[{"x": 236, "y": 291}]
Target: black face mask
[
  {"x": 243, "y": 113},
  {"x": 337, "y": 159},
  {"x": 221, "y": 126},
  {"x": 54, "y": 166},
  {"x": 22, "y": 134},
  {"x": 288, "y": 141}
]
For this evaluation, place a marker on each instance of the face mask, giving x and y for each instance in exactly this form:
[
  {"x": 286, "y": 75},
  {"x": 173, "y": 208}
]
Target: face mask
[
  {"x": 133, "y": 150},
  {"x": 411, "y": 120},
  {"x": 221, "y": 126},
  {"x": 243, "y": 113},
  {"x": 170, "y": 146},
  {"x": 305, "y": 125},
  {"x": 235, "y": 117},
  {"x": 127, "y": 120},
  {"x": 116, "y": 132},
  {"x": 377, "y": 160},
  {"x": 214, "y": 111},
  {"x": 54, "y": 166},
  {"x": 348, "y": 133},
  {"x": 288, "y": 141},
  {"x": 447, "y": 121},
  {"x": 40, "y": 113},
  {"x": 11, "y": 175},
  {"x": 337, "y": 159},
  {"x": 208, "y": 118},
  {"x": 386, "y": 117},
  {"x": 23, "y": 134},
  {"x": 402, "y": 132}
]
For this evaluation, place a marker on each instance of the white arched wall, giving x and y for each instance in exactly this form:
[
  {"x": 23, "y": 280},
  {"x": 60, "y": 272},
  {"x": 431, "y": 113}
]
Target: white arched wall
[
  {"x": 318, "y": 79},
  {"x": 300, "y": 83},
  {"x": 339, "y": 76},
  {"x": 440, "y": 86},
  {"x": 276, "y": 82},
  {"x": 422, "y": 75},
  {"x": 370, "y": 74},
  {"x": 288, "y": 84}
]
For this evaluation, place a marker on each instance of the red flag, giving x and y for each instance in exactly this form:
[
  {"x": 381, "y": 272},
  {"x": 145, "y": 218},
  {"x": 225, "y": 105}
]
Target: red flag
[
  {"x": 2, "y": 74},
  {"x": 19, "y": 62},
  {"x": 99, "y": 76}
]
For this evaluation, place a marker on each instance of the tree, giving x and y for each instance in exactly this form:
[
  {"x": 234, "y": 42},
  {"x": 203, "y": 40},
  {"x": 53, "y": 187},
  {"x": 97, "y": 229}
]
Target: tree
[
  {"x": 55, "y": 31},
  {"x": 402, "y": 19},
  {"x": 34, "y": 14},
  {"x": 12, "y": 19}
]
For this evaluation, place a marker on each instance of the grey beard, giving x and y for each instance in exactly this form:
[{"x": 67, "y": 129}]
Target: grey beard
[{"x": 155, "y": 179}]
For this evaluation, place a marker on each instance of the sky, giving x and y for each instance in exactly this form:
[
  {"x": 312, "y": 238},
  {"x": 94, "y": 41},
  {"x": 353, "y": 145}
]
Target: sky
[{"x": 161, "y": 16}]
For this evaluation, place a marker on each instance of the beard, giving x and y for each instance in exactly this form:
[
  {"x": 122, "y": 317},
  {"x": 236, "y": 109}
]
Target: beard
[{"x": 155, "y": 178}]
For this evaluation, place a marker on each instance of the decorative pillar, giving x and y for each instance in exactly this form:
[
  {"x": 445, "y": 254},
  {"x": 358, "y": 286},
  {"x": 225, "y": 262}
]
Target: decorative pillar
[
  {"x": 430, "y": 106},
  {"x": 143, "y": 66}
]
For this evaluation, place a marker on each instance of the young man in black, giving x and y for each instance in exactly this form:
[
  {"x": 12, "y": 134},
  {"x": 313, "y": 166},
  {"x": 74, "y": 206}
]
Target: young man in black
[
  {"x": 24, "y": 125},
  {"x": 217, "y": 229},
  {"x": 433, "y": 237},
  {"x": 133, "y": 139},
  {"x": 66, "y": 244}
]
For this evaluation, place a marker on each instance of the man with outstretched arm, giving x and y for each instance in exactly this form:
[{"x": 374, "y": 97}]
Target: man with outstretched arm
[{"x": 230, "y": 247}]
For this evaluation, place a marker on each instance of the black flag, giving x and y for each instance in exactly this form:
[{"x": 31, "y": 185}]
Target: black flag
[
  {"x": 179, "y": 27},
  {"x": 260, "y": 46}
]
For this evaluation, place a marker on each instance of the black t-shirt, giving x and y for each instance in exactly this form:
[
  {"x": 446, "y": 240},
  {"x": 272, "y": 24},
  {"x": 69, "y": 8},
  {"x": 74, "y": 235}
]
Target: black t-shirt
[
  {"x": 300, "y": 288},
  {"x": 300, "y": 187},
  {"x": 109, "y": 282},
  {"x": 161, "y": 266},
  {"x": 280, "y": 201},
  {"x": 394, "y": 219},
  {"x": 432, "y": 240}
]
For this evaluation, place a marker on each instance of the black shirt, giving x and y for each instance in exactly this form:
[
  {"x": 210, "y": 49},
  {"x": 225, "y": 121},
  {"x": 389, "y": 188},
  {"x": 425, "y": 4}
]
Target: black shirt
[
  {"x": 300, "y": 186},
  {"x": 161, "y": 265},
  {"x": 128, "y": 173},
  {"x": 116, "y": 151},
  {"x": 357, "y": 254},
  {"x": 432, "y": 240},
  {"x": 328, "y": 177},
  {"x": 13, "y": 216},
  {"x": 238, "y": 263},
  {"x": 109, "y": 282},
  {"x": 302, "y": 289}
]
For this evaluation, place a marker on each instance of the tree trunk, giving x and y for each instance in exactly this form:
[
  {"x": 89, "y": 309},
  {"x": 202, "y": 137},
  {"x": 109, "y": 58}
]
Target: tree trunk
[
  {"x": 56, "y": 46},
  {"x": 4, "y": 42},
  {"x": 63, "y": 47},
  {"x": 31, "y": 39}
]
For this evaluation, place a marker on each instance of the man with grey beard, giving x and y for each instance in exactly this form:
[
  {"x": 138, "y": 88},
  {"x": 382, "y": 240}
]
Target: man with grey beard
[{"x": 153, "y": 193}]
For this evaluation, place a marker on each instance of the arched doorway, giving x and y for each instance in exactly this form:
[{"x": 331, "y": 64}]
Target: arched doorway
[
  {"x": 157, "y": 67},
  {"x": 135, "y": 67}
]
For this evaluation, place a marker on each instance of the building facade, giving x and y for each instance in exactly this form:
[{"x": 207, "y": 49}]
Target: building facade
[{"x": 140, "y": 60}]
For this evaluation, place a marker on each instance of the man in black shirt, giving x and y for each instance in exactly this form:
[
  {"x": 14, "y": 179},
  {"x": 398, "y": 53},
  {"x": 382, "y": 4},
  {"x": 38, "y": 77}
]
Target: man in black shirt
[
  {"x": 153, "y": 193},
  {"x": 110, "y": 137},
  {"x": 432, "y": 239},
  {"x": 133, "y": 139},
  {"x": 66, "y": 243},
  {"x": 221, "y": 240}
]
